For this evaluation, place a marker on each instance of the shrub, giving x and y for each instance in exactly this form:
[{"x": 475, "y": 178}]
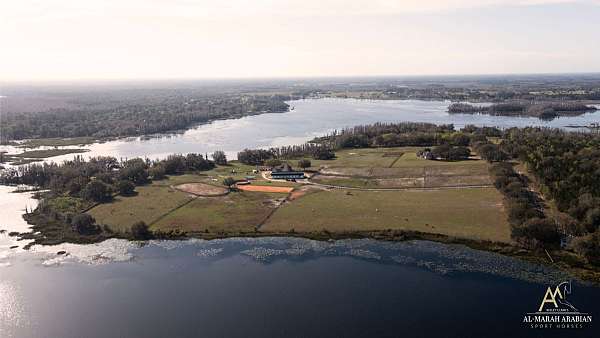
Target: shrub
[
  {"x": 140, "y": 231},
  {"x": 228, "y": 182},
  {"x": 304, "y": 163},
  {"x": 125, "y": 188},
  {"x": 84, "y": 224},
  {"x": 97, "y": 191}
]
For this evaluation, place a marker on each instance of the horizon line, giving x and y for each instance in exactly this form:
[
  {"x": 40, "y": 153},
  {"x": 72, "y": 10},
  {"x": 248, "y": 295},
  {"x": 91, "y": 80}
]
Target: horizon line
[{"x": 292, "y": 77}]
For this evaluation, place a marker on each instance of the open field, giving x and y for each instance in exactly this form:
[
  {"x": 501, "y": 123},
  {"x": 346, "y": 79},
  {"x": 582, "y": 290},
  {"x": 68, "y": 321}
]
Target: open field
[
  {"x": 398, "y": 168},
  {"x": 475, "y": 213},
  {"x": 149, "y": 204},
  {"x": 239, "y": 211}
]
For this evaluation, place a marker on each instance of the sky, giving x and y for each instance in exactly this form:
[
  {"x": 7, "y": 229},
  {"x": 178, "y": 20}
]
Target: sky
[{"x": 194, "y": 39}]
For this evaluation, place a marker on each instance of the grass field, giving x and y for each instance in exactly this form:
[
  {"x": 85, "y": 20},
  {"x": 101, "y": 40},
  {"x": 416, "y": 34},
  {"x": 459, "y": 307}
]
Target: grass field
[
  {"x": 469, "y": 213},
  {"x": 398, "y": 168},
  {"x": 150, "y": 203},
  {"x": 239, "y": 211}
]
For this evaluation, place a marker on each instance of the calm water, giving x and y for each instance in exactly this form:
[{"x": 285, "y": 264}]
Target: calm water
[
  {"x": 310, "y": 118},
  {"x": 272, "y": 287}
]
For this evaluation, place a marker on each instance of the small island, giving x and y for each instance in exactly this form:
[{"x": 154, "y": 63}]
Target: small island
[{"x": 542, "y": 110}]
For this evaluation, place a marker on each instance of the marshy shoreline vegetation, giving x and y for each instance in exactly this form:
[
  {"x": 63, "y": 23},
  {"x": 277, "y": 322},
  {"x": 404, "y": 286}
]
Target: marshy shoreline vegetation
[{"x": 547, "y": 214}]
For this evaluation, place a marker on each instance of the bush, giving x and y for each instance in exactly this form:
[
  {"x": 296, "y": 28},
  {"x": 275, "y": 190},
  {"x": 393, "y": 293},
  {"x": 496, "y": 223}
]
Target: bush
[
  {"x": 84, "y": 224},
  {"x": 304, "y": 164},
  {"x": 126, "y": 188},
  {"x": 140, "y": 231},
  {"x": 97, "y": 191},
  {"x": 228, "y": 182}
]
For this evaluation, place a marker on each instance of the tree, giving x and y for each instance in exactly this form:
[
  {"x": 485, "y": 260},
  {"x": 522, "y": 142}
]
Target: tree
[
  {"x": 491, "y": 153},
  {"x": 589, "y": 247},
  {"x": 140, "y": 231},
  {"x": 542, "y": 230},
  {"x": 135, "y": 170},
  {"x": 304, "y": 163},
  {"x": 97, "y": 191},
  {"x": 157, "y": 172},
  {"x": 459, "y": 153},
  {"x": 84, "y": 224},
  {"x": 175, "y": 164},
  {"x": 229, "y": 182},
  {"x": 219, "y": 157},
  {"x": 592, "y": 219},
  {"x": 126, "y": 188},
  {"x": 272, "y": 162},
  {"x": 323, "y": 153},
  {"x": 197, "y": 162}
]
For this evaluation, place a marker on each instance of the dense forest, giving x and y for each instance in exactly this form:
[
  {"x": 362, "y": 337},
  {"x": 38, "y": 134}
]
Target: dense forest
[
  {"x": 131, "y": 119},
  {"x": 542, "y": 110}
]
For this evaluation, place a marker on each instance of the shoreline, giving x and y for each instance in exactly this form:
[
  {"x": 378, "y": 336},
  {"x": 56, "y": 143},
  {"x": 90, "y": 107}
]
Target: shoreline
[{"x": 560, "y": 260}]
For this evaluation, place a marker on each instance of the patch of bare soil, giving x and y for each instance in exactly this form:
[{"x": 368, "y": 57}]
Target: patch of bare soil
[{"x": 201, "y": 189}]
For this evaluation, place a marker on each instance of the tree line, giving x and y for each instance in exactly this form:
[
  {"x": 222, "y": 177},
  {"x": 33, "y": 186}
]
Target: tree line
[
  {"x": 73, "y": 186},
  {"x": 135, "y": 119}
]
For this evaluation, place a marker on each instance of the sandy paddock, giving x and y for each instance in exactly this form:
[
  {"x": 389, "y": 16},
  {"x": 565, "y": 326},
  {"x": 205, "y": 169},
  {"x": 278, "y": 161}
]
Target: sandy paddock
[{"x": 201, "y": 189}]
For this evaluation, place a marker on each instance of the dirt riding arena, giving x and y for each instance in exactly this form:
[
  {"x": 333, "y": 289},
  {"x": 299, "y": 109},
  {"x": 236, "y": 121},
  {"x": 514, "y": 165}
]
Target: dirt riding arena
[
  {"x": 262, "y": 188},
  {"x": 201, "y": 189}
]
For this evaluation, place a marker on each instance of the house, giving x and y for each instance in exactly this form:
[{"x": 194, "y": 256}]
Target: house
[{"x": 286, "y": 172}]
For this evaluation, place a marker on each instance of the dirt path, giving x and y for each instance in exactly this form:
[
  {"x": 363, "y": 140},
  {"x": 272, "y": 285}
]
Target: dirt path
[{"x": 403, "y": 189}]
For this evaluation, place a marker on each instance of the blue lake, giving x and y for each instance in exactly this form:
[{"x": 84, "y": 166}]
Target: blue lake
[
  {"x": 273, "y": 287},
  {"x": 276, "y": 287}
]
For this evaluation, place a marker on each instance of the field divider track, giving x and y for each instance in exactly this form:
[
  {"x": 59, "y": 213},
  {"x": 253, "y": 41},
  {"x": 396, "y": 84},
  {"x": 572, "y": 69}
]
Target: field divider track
[
  {"x": 264, "y": 220},
  {"x": 396, "y": 160},
  {"x": 449, "y": 187},
  {"x": 172, "y": 210}
]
